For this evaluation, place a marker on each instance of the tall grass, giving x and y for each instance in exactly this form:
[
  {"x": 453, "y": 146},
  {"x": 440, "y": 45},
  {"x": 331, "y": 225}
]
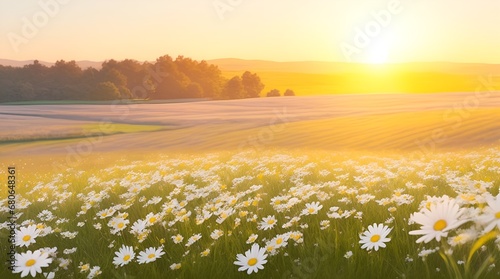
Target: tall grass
[{"x": 374, "y": 188}]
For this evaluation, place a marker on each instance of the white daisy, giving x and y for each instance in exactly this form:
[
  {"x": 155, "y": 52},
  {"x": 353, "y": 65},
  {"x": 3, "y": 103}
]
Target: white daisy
[
  {"x": 94, "y": 272},
  {"x": 124, "y": 256},
  {"x": 312, "y": 208},
  {"x": 253, "y": 260},
  {"x": 216, "y": 234},
  {"x": 375, "y": 237},
  {"x": 177, "y": 238},
  {"x": 175, "y": 266},
  {"x": 150, "y": 255},
  {"x": 152, "y": 219},
  {"x": 26, "y": 236},
  {"x": 280, "y": 240},
  {"x": 267, "y": 223},
  {"x": 491, "y": 216},
  {"x": 31, "y": 262},
  {"x": 438, "y": 220},
  {"x": 252, "y": 238},
  {"x": 138, "y": 227},
  {"x": 205, "y": 252},
  {"x": 118, "y": 224},
  {"x": 193, "y": 239}
]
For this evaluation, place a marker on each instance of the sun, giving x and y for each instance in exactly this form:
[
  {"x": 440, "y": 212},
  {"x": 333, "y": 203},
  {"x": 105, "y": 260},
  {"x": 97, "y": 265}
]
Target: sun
[{"x": 378, "y": 55}]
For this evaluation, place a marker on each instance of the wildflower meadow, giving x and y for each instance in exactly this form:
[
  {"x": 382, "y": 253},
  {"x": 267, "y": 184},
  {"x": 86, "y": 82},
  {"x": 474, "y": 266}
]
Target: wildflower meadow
[{"x": 279, "y": 214}]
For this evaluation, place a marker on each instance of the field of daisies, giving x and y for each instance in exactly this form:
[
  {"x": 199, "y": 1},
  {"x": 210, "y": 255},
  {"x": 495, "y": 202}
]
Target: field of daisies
[{"x": 278, "y": 214}]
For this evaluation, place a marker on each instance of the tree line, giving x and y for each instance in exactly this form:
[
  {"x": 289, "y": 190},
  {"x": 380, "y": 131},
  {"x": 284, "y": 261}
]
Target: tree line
[{"x": 166, "y": 78}]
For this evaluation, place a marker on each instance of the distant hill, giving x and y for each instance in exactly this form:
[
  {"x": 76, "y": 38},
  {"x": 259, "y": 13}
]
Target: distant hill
[
  {"x": 315, "y": 67},
  {"x": 318, "y": 78},
  {"x": 15, "y": 63},
  {"x": 318, "y": 67}
]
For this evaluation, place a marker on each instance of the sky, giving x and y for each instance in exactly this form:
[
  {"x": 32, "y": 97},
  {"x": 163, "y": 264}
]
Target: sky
[{"x": 376, "y": 31}]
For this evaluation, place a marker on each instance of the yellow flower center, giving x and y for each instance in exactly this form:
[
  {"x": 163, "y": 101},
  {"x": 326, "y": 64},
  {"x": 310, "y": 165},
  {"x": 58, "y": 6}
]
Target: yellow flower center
[
  {"x": 375, "y": 238},
  {"x": 311, "y": 210},
  {"x": 252, "y": 261},
  {"x": 279, "y": 240},
  {"x": 126, "y": 258},
  {"x": 151, "y": 256},
  {"x": 152, "y": 219},
  {"x": 121, "y": 225},
  {"x": 270, "y": 222},
  {"x": 440, "y": 225},
  {"x": 30, "y": 262},
  {"x": 26, "y": 238},
  {"x": 497, "y": 215}
]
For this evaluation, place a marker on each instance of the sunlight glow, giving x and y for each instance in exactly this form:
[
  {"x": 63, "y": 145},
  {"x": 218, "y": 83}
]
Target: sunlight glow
[{"x": 378, "y": 54}]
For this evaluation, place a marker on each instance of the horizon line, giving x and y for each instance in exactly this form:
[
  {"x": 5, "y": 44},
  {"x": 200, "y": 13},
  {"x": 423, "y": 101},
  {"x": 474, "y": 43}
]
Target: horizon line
[{"x": 263, "y": 60}]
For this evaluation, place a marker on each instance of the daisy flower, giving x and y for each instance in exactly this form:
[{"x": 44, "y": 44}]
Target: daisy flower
[
  {"x": 175, "y": 266},
  {"x": 124, "y": 256},
  {"x": 312, "y": 208},
  {"x": 84, "y": 267},
  {"x": 193, "y": 239},
  {"x": 152, "y": 219},
  {"x": 375, "y": 237},
  {"x": 491, "y": 215},
  {"x": 94, "y": 272},
  {"x": 205, "y": 252},
  {"x": 150, "y": 255},
  {"x": 118, "y": 224},
  {"x": 216, "y": 234},
  {"x": 31, "y": 262},
  {"x": 280, "y": 240},
  {"x": 252, "y": 238},
  {"x": 177, "y": 238},
  {"x": 138, "y": 227},
  {"x": 268, "y": 223},
  {"x": 26, "y": 236},
  {"x": 438, "y": 220},
  {"x": 253, "y": 260}
]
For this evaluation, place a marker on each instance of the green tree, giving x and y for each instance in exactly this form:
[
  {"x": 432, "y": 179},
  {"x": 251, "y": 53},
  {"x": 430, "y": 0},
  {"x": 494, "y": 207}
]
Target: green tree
[
  {"x": 194, "y": 90},
  {"x": 289, "y": 92},
  {"x": 233, "y": 89},
  {"x": 273, "y": 93},
  {"x": 251, "y": 85},
  {"x": 106, "y": 91}
]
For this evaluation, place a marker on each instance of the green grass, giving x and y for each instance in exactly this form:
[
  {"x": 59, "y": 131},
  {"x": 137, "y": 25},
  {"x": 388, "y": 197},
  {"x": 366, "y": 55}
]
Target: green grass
[
  {"x": 210, "y": 181},
  {"x": 114, "y": 128},
  {"x": 85, "y": 131}
]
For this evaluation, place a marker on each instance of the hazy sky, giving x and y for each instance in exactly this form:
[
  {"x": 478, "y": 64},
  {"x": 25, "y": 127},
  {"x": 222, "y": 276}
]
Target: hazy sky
[{"x": 291, "y": 30}]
